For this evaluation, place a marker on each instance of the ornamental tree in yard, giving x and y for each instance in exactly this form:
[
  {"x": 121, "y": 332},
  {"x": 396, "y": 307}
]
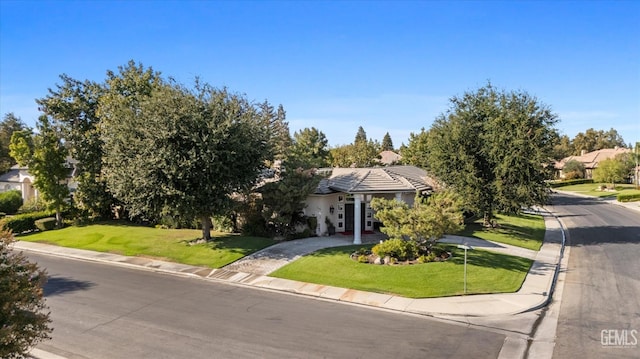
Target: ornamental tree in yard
[
  {"x": 428, "y": 220},
  {"x": 493, "y": 148},
  {"x": 45, "y": 155},
  {"x": 24, "y": 319},
  {"x": 611, "y": 170},
  {"x": 174, "y": 151}
]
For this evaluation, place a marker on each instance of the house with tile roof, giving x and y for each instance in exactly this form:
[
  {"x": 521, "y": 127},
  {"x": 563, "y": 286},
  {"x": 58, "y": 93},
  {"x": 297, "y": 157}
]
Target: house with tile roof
[
  {"x": 590, "y": 160},
  {"x": 344, "y": 197},
  {"x": 18, "y": 178}
]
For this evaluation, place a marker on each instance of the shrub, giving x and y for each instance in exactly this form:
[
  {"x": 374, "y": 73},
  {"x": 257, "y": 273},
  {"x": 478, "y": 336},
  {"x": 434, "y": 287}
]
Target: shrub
[
  {"x": 34, "y": 204},
  {"x": 427, "y": 258},
  {"x": 45, "y": 224},
  {"x": 10, "y": 201},
  {"x": 396, "y": 248},
  {"x": 23, "y": 222},
  {"x": 222, "y": 224},
  {"x": 363, "y": 259},
  {"x": 630, "y": 197}
]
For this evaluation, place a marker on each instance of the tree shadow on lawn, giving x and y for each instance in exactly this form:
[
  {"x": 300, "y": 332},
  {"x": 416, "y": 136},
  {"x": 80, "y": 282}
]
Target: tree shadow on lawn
[
  {"x": 60, "y": 285},
  {"x": 512, "y": 230},
  {"x": 237, "y": 244}
]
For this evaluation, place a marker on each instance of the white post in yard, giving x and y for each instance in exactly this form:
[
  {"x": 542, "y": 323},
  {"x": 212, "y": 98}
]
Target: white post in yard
[
  {"x": 465, "y": 247},
  {"x": 357, "y": 219}
]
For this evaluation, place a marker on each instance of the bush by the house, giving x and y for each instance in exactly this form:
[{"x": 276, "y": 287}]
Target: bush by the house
[
  {"x": 569, "y": 182},
  {"x": 23, "y": 222},
  {"x": 34, "y": 204},
  {"x": 10, "y": 201},
  {"x": 631, "y": 197},
  {"x": 46, "y": 224},
  {"x": 396, "y": 248}
]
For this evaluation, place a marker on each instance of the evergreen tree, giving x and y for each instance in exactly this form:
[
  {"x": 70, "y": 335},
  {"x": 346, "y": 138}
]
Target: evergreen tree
[
  {"x": 387, "y": 144},
  {"x": 10, "y": 124},
  {"x": 309, "y": 149},
  {"x": 361, "y": 136}
]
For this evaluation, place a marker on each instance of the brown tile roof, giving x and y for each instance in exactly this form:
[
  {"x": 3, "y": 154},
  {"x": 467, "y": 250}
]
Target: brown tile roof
[
  {"x": 376, "y": 179},
  {"x": 591, "y": 159}
]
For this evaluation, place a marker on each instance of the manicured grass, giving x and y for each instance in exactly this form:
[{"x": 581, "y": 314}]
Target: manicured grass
[
  {"x": 591, "y": 189},
  {"x": 487, "y": 272},
  {"x": 524, "y": 230},
  {"x": 164, "y": 244}
]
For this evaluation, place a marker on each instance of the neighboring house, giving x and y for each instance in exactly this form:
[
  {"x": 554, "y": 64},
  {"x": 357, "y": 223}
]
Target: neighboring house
[
  {"x": 19, "y": 178},
  {"x": 389, "y": 158},
  {"x": 590, "y": 160},
  {"x": 345, "y": 196}
]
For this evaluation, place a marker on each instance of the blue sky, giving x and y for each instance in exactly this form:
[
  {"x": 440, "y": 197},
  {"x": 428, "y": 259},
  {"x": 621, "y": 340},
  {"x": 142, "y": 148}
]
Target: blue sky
[{"x": 337, "y": 65}]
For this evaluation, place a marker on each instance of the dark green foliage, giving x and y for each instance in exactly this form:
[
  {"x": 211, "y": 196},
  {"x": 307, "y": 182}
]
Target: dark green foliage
[
  {"x": 24, "y": 319},
  {"x": 359, "y": 154},
  {"x": 309, "y": 150},
  {"x": 23, "y": 222},
  {"x": 417, "y": 152},
  {"x": 10, "y": 201},
  {"x": 569, "y": 182},
  {"x": 174, "y": 151},
  {"x": 45, "y": 224},
  {"x": 622, "y": 197},
  {"x": 361, "y": 135},
  {"x": 283, "y": 201},
  {"x": 494, "y": 148},
  {"x": 593, "y": 140},
  {"x": 10, "y": 124},
  {"x": 387, "y": 144},
  {"x": 573, "y": 170}
]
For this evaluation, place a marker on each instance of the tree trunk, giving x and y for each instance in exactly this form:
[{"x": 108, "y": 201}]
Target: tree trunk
[
  {"x": 206, "y": 228},
  {"x": 487, "y": 219},
  {"x": 58, "y": 219}
]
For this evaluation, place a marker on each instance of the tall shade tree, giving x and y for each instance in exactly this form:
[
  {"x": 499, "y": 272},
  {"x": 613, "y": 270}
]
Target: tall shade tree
[
  {"x": 279, "y": 135},
  {"x": 45, "y": 156},
  {"x": 357, "y": 154},
  {"x": 24, "y": 316},
  {"x": 387, "y": 143},
  {"x": 416, "y": 152},
  {"x": 309, "y": 149},
  {"x": 494, "y": 148},
  {"x": 361, "y": 135},
  {"x": 593, "y": 140},
  {"x": 173, "y": 151},
  {"x": 72, "y": 107},
  {"x": 10, "y": 124}
]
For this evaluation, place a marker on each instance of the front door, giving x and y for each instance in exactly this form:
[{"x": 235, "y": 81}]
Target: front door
[{"x": 349, "y": 216}]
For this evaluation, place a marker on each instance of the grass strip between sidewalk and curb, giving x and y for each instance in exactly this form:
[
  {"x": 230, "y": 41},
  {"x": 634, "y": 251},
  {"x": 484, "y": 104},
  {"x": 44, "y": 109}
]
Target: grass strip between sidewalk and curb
[
  {"x": 162, "y": 244},
  {"x": 487, "y": 272},
  {"x": 591, "y": 189}
]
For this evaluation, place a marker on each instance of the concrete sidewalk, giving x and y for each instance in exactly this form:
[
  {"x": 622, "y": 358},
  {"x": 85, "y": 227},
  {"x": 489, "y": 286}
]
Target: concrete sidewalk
[{"x": 253, "y": 270}]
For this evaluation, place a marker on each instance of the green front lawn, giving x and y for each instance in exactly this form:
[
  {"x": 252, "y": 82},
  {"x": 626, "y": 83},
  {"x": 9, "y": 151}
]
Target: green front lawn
[
  {"x": 591, "y": 189},
  {"x": 524, "y": 230},
  {"x": 487, "y": 273},
  {"x": 165, "y": 244}
]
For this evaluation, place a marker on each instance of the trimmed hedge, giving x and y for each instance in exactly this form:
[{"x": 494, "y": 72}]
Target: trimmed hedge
[
  {"x": 569, "y": 182},
  {"x": 10, "y": 201},
  {"x": 23, "y": 222},
  {"x": 631, "y": 197},
  {"x": 46, "y": 224}
]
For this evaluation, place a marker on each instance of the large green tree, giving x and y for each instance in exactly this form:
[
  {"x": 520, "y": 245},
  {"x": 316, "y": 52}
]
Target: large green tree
[
  {"x": 174, "y": 151},
  {"x": 46, "y": 157},
  {"x": 24, "y": 316},
  {"x": 309, "y": 149},
  {"x": 358, "y": 154},
  {"x": 592, "y": 140},
  {"x": 494, "y": 148},
  {"x": 72, "y": 107},
  {"x": 611, "y": 170},
  {"x": 416, "y": 152},
  {"x": 10, "y": 124}
]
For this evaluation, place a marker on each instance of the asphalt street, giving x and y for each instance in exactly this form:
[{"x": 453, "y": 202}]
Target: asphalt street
[
  {"x": 601, "y": 300},
  {"x": 106, "y": 311}
]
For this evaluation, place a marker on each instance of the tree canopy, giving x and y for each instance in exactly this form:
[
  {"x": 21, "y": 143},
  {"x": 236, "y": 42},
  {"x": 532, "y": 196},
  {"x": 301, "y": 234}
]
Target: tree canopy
[
  {"x": 174, "y": 151},
  {"x": 10, "y": 124},
  {"x": 387, "y": 143},
  {"x": 493, "y": 147},
  {"x": 309, "y": 149}
]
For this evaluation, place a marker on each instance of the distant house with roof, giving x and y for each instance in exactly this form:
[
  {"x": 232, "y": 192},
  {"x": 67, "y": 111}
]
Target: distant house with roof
[
  {"x": 18, "y": 178},
  {"x": 344, "y": 197},
  {"x": 590, "y": 160}
]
